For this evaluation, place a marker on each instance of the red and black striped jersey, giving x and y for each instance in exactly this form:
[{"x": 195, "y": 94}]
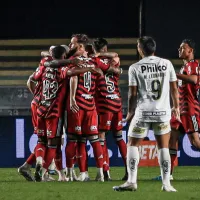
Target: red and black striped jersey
[
  {"x": 53, "y": 91},
  {"x": 108, "y": 98},
  {"x": 38, "y": 86},
  {"x": 188, "y": 92},
  {"x": 87, "y": 84}
]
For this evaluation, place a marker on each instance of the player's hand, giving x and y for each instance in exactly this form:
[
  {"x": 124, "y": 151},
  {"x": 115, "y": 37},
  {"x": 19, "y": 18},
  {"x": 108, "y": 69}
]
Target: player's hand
[
  {"x": 98, "y": 71},
  {"x": 95, "y": 55},
  {"x": 76, "y": 61},
  {"x": 176, "y": 113},
  {"x": 73, "y": 106},
  {"x": 128, "y": 117}
]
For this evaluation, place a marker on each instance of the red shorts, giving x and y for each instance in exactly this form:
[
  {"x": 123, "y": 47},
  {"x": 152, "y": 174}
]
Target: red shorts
[
  {"x": 110, "y": 121},
  {"x": 82, "y": 122},
  {"x": 51, "y": 127},
  {"x": 188, "y": 124},
  {"x": 34, "y": 117}
]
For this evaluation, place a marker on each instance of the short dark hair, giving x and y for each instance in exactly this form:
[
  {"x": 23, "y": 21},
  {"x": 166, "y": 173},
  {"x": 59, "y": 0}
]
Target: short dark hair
[
  {"x": 190, "y": 43},
  {"x": 147, "y": 44},
  {"x": 99, "y": 43},
  {"x": 81, "y": 38},
  {"x": 58, "y": 51}
]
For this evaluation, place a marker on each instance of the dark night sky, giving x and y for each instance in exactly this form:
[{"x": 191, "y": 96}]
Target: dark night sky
[{"x": 29, "y": 19}]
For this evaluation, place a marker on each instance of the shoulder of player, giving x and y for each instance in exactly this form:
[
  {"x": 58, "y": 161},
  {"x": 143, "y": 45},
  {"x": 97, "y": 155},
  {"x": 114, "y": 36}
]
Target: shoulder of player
[{"x": 193, "y": 63}]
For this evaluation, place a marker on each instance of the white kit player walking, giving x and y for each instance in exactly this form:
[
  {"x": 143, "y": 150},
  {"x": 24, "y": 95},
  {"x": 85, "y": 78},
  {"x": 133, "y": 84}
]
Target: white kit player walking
[{"x": 151, "y": 80}]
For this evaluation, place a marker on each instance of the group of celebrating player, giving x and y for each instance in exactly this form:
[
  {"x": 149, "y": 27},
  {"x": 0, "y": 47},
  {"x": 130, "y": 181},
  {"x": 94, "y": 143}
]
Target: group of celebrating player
[{"x": 82, "y": 94}]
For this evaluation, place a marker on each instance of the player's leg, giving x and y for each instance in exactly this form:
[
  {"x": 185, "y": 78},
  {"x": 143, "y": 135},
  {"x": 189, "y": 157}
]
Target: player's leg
[
  {"x": 192, "y": 125},
  {"x": 176, "y": 127},
  {"x": 82, "y": 159},
  {"x": 136, "y": 133},
  {"x": 90, "y": 129},
  {"x": 25, "y": 169},
  {"x": 173, "y": 149},
  {"x": 54, "y": 130},
  {"x": 162, "y": 134},
  {"x": 104, "y": 125},
  {"x": 40, "y": 149},
  {"x": 73, "y": 133},
  {"x": 117, "y": 130}
]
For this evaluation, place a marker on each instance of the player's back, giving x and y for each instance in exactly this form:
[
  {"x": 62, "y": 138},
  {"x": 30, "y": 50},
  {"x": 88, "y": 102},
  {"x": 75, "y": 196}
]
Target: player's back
[
  {"x": 108, "y": 96},
  {"x": 53, "y": 92},
  {"x": 152, "y": 75}
]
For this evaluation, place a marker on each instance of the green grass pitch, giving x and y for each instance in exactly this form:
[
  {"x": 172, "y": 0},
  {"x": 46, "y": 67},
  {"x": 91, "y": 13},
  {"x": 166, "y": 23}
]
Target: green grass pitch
[{"x": 15, "y": 187}]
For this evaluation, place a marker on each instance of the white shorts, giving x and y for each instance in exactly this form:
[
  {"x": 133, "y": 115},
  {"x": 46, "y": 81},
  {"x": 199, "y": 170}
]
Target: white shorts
[{"x": 140, "y": 129}]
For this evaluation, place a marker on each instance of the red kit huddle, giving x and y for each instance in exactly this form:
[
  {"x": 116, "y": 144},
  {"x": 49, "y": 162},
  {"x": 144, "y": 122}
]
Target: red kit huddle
[{"x": 75, "y": 91}]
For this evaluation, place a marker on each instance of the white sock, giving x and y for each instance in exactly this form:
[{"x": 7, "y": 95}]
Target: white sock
[
  {"x": 132, "y": 163},
  {"x": 165, "y": 165},
  {"x": 39, "y": 160},
  {"x": 100, "y": 171},
  {"x": 69, "y": 172}
]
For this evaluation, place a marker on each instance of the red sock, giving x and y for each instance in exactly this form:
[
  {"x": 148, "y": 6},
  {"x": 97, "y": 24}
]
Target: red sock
[
  {"x": 50, "y": 155},
  {"x": 123, "y": 149},
  {"x": 81, "y": 156},
  {"x": 58, "y": 159},
  {"x": 98, "y": 153},
  {"x": 105, "y": 156},
  {"x": 173, "y": 155},
  {"x": 40, "y": 150},
  {"x": 31, "y": 159},
  {"x": 70, "y": 153}
]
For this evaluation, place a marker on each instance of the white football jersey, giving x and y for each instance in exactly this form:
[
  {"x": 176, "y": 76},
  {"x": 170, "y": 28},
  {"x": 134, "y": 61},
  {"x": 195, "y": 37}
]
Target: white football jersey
[{"x": 152, "y": 75}]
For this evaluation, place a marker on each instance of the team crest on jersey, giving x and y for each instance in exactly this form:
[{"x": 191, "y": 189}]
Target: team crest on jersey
[
  {"x": 77, "y": 128},
  {"x": 93, "y": 128}
]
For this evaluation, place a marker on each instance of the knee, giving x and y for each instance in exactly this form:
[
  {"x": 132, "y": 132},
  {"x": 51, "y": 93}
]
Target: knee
[
  {"x": 118, "y": 136},
  {"x": 42, "y": 140},
  {"x": 93, "y": 138},
  {"x": 53, "y": 142}
]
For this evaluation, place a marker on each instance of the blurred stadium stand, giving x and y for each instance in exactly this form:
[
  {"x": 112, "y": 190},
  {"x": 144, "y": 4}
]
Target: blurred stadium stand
[{"x": 19, "y": 58}]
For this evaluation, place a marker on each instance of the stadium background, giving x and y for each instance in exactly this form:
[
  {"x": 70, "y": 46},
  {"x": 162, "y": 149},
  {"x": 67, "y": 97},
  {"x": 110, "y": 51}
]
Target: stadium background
[{"x": 169, "y": 23}]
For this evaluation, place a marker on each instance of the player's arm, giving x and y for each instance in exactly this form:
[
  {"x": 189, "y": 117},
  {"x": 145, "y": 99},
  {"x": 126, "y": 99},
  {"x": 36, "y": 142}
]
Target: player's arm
[
  {"x": 73, "y": 86},
  {"x": 112, "y": 67},
  {"x": 76, "y": 71},
  {"x": 175, "y": 99},
  {"x": 132, "y": 93},
  {"x": 132, "y": 102},
  {"x": 187, "y": 78},
  {"x": 61, "y": 63},
  {"x": 107, "y": 54},
  {"x": 31, "y": 84}
]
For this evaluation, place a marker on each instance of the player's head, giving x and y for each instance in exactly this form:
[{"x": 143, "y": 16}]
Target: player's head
[
  {"x": 78, "y": 43},
  {"x": 146, "y": 46},
  {"x": 100, "y": 45},
  {"x": 187, "y": 49},
  {"x": 66, "y": 48},
  {"x": 50, "y": 49},
  {"x": 78, "y": 39},
  {"x": 90, "y": 49},
  {"x": 59, "y": 52}
]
